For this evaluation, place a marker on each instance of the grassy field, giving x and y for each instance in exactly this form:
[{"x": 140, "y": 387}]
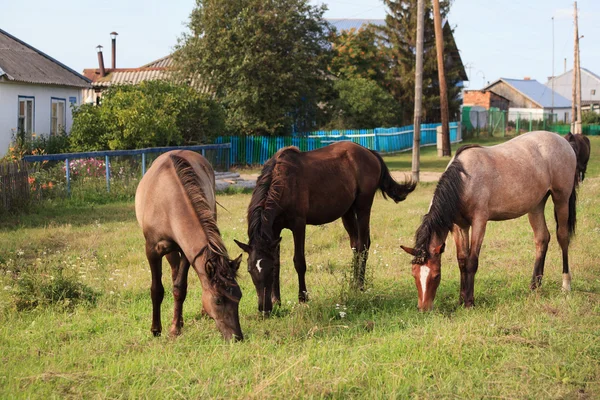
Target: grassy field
[{"x": 375, "y": 344}]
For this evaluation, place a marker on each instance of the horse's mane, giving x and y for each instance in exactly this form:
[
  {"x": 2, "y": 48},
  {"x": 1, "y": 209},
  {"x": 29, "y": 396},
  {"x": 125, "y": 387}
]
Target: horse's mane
[
  {"x": 445, "y": 206},
  {"x": 223, "y": 277},
  {"x": 266, "y": 196}
]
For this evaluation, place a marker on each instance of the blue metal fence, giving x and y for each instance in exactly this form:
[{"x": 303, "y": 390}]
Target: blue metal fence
[{"x": 256, "y": 150}]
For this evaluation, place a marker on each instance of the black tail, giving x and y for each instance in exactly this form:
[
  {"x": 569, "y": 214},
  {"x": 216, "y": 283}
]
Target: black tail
[
  {"x": 573, "y": 208},
  {"x": 389, "y": 186}
]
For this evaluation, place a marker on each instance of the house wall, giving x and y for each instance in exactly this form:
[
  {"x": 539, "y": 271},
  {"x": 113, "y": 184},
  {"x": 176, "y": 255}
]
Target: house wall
[
  {"x": 589, "y": 84},
  {"x": 516, "y": 99},
  {"x": 485, "y": 99},
  {"x": 9, "y": 108}
]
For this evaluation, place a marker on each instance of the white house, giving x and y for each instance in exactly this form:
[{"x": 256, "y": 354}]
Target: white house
[
  {"x": 36, "y": 91},
  {"x": 590, "y": 88}
]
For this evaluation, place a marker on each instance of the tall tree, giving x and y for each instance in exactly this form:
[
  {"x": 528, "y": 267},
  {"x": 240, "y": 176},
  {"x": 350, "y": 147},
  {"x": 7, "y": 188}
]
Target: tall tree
[
  {"x": 439, "y": 47},
  {"x": 265, "y": 60},
  {"x": 399, "y": 38}
]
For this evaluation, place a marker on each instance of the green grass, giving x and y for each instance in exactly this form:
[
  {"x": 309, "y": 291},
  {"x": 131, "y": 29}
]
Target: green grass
[{"x": 514, "y": 344}]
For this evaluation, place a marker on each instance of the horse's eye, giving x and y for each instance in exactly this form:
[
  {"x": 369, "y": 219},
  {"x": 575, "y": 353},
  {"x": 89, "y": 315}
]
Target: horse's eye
[{"x": 219, "y": 301}]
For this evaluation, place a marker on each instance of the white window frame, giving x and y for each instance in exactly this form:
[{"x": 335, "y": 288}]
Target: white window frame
[
  {"x": 28, "y": 115},
  {"x": 58, "y": 118}
]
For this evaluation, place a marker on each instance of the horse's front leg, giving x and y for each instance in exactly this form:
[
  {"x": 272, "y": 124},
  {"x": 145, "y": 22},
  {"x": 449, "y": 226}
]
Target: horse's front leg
[
  {"x": 461, "y": 239},
  {"x": 276, "y": 292},
  {"x": 299, "y": 232},
  {"x": 477, "y": 233},
  {"x": 157, "y": 291}
]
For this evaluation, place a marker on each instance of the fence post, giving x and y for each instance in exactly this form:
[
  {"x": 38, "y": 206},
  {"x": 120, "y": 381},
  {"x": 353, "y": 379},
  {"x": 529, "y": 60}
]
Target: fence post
[
  {"x": 68, "y": 176},
  {"x": 143, "y": 164},
  {"x": 518, "y": 118},
  {"x": 530, "y": 121},
  {"x": 107, "y": 170}
]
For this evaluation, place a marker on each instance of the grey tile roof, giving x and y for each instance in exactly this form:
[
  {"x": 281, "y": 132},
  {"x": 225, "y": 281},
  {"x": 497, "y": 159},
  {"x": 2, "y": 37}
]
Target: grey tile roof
[
  {"x": 165, "y": 62},
  {"x": 21, "y": 62},
  {"x": 537, "y": 92}
]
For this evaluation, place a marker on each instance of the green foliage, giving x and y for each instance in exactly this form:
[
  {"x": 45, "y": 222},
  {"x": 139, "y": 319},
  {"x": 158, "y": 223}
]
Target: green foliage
[
  {"x": 590, "y": 117},
  {"x": 362, "y": 104},
  {"x": 399, "y": 42},
  {"x": 153, "y": 113},
  {"x": 356, "y": 55},
  {"x": 264, "y": 60}
]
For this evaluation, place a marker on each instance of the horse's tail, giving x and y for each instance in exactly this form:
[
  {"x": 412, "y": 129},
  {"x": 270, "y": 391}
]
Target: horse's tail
[
  {"x": 573, "y": 207},
  {"x": 387, "y": 184}
]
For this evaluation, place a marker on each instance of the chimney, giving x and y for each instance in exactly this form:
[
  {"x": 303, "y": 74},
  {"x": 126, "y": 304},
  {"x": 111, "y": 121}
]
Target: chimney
[
  {"x": 101, "y": 61},
  {"x": 565, "y": 67},
  {"x": 527, "y": 78},
  {"x": 113, "y": 36}
]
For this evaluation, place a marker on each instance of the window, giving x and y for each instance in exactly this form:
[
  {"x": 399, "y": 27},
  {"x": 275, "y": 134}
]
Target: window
[
  {"x": 57, "y": 116},
  {"x": 26, "y": 117}
]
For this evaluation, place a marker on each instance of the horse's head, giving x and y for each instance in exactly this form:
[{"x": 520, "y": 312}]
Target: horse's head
[
  {"x": 261, "y": 264},
  {"x": 222, "y": 296},
  {"x": 427, "y": 271}
]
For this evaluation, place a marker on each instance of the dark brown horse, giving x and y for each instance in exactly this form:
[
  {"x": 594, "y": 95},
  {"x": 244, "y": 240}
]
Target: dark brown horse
[
  {"x": 296, "y": 189},
  {"x": 581, "y": 145},
  {"x": 496, "y": 183},
  {"x": 175, "y": 206}
]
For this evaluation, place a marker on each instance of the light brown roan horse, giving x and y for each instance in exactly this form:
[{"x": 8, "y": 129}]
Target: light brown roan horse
[
  {"x": 175, "y": 206},
  {"x": 296, "y": 189},
  {"x": 496, "y": 183}
]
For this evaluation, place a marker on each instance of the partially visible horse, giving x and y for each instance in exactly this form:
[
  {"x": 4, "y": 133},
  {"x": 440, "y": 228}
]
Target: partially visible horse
[
  {"x": 496, "y": 183},
  {"x": 581, "y": 145},
  {"x": 175, "y": 207},
  {"x": 296, "y": 189}
]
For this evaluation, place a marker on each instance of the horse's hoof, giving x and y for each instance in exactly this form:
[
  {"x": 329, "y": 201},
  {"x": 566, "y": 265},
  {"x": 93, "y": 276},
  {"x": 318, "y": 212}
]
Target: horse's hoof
[
  {"x": 156, "y": 333},
  {"x": 174, "y": 331},
  {"x": 303, "y": 297},
  {"x": 566, "y": 285}
]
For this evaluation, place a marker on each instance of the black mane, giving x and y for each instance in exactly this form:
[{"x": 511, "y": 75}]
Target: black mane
[{"x": 445, "y": 206}]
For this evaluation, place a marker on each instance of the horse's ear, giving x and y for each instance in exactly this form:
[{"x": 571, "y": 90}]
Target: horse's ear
[
  {"x": 235, "y": 264},
  {"x": 440, "y": 249},
  {"x": 243, "y": 246},
  {"x": 409, "y": 250},
  {"x": 209, "y": 269}
]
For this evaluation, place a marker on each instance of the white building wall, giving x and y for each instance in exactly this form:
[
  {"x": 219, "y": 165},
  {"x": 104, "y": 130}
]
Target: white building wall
[
  {"x": 562, "y": 114},
  {"x": 590, "y": 86},
  {"x": 43, "y": 94}
]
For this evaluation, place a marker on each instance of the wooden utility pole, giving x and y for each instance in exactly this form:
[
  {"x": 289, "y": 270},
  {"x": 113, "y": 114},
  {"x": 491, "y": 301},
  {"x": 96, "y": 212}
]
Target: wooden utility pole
[
  {"x": 439, "y": 47},
  {"x": 579, "y": 128},
  {"x": 574, "y": 81},
  {"x": 418, "y": 92}
]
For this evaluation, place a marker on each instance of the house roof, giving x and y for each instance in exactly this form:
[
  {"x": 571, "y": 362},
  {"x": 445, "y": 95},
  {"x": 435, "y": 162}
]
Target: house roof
[
  {"x": 124, "y": 76},
  {"x": 535, "y": 91},
  {"x": 20, "y": 62},
  {"x": 570, "y": 73}
]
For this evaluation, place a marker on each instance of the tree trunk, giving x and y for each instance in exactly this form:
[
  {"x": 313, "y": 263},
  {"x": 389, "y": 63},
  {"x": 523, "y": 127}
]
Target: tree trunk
[
  {"x": 418, "y": 92},
  {"x": 439, "y": 47}
]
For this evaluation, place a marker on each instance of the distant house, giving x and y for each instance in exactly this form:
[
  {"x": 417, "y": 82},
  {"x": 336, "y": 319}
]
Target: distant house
[
  {"x": 590, "y": 88},
  {"x": 36, "y": 91},
  {"x": 485, "y": 100},
  {"x": 531, "y": 98}
]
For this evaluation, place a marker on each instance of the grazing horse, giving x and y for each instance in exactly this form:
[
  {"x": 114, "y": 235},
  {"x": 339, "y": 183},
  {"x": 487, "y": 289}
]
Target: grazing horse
[
  {"x": 581, "y": 145},
  {"x": 296, "y": 189},
  {"x": 496, "y": 183},
  {"x": 175, "y": 207}
]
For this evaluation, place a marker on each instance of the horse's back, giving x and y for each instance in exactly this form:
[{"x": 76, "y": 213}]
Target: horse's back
[
  {"x": 512, "y": 178},
  {"x": 160, "y": 193}
]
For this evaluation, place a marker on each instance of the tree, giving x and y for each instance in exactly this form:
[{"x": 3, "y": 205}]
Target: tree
[
  {"x": 356, "y": 55},
  {"x": 265, "y": 61},
  {"x": 362, "y": 104},
  {"x": 399, "y": 38}
]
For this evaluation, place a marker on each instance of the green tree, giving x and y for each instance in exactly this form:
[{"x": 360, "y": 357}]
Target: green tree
[
  {"x": 356, "y": 55},
  {"x": 590, "y": 117},
  {"x": 153, "y": 113},
  {"x": 399, "y": 41},
  {"x": 363, "y": 104},
  {"x": 265, "y": 61}
]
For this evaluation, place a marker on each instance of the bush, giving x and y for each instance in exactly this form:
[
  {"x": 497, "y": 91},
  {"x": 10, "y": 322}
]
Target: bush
[
  {"x": 151, "y": 114},
  {"x": 590, "y": 117},
  {"x": 363, "y": 104}
]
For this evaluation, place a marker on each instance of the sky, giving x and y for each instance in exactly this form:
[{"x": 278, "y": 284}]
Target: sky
[{"x": 496, "y": 38}]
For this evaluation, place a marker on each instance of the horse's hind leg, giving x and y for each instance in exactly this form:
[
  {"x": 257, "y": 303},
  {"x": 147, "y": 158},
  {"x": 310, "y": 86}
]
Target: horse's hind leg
[
  {"x": 157, "y": 291},
  {"x": 542, "y": 238},
  {"x": 351, "y": 225},
  {"x": 461, "y": 239},
  {"x": 561, "y": 211},
  {"x": 363, "y": 219},
  {"x": 179, "y": 272}
]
